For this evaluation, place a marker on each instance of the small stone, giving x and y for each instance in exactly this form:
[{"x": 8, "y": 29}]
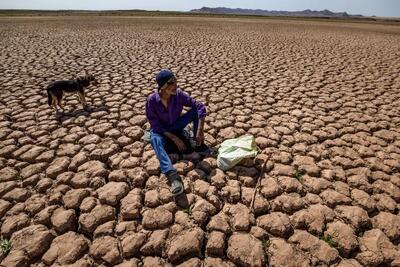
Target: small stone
[
  {"x": 132, "y": 243},
  {"x": 344, "y": 236},
  {"x": 64, "y": 220},
  {"x": 154, "y": 262},
  {"x": 155, "y": 243},
  {"x": 217, "y": 178},
  {"x": 353, "y": 215},
  {"x": 385, "y": 203},
  {"x": 79, "y": 159},
  {"x": 66, "y": 249},
  {"x": 245, "y": 250},
  {"x": 34, "y": 240},
  {"x": 289, "y": 184},
  {"x": 211, "y": 262},
  {"x": 388, "y": 223},
  {"x": 44, "y": 216},
  {"x": 17, "y": 195},
  {"x": 105, "y": 229},
  {"x": 112, "y": 192},
  {"x": 193, "y": 262},
  {"x": 240, "y": 215},
  {"x": 349, "y": 263},
  {"x": 88, "y": 204},
  {"x": 216, "y": 244},
  {"x": 14, "y": 223},
  {"x": 282, "y": 253},
  {"x": 152, "y": 199},
  {"x": 282, "y": 170},
  {"x": 106, "y": 249},
  {"x": 270, "y": 188},
  {"x": 73, "y": 198},
  {"x": 220, "y": 223},
  {"x": 317, "y": 248},
  {"x": 129, "y": 263},
  {"x": 35, "y": 204},
  {"x": 376, "y": 249},
  {"x": 276, "y": 223},
  {"x": 259, "y": 233},
  {"x": 6, "y": 187},
  {"x": 4, "y": 207},
  {"x": 16, "y": 258},
  {"x": 158, "y": 218},
  {"x": 333, "y": 198},
  {"x": 185, "y": 244},
  {"x": 288, "y": 203},
  {"x": 131, "y": 205},
  {"x": 58, "y": 166},
  {"x": 363, "y": 200},
  {"x": 97, "y": 216}
]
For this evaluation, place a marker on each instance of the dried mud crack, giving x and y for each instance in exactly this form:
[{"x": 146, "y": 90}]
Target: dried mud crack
[{"x": 321, "y": 98}]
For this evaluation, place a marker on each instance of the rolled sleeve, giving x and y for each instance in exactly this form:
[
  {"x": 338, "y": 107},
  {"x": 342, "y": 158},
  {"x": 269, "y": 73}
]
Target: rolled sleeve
[
  {"x": 153, "y": 119},
  {"x": 188, "y": 101}
]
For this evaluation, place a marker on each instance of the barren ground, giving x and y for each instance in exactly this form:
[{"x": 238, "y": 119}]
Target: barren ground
[{"x": 322, "y": 99}]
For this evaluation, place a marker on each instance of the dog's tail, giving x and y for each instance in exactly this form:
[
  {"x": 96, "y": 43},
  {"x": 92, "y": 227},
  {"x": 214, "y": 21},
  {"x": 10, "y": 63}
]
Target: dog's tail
[{"x": 49, "y": 97}]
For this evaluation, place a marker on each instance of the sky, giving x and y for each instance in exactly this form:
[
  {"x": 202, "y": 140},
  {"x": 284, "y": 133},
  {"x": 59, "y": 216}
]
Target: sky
[{"x": 384, "y": 8}]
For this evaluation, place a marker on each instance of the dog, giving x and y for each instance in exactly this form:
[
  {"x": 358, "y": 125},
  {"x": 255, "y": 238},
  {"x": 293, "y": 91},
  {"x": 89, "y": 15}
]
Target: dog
[{"x": 56, "y": 90}]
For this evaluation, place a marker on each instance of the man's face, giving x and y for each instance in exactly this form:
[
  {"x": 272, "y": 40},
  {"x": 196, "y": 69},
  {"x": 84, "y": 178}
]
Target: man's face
[{"x": 171, "y": 86}]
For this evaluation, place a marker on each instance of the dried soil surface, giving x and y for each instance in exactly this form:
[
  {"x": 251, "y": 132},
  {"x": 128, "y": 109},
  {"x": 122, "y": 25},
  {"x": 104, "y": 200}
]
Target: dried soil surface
[{"x": 322, "y": 99}]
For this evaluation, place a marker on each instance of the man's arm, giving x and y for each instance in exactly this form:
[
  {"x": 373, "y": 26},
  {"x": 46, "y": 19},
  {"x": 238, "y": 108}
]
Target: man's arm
[
  {"x": 158, "y": 128},
  {"x": 153, "y": 118},
  {"x": 200, "y": 132},
  {"x": 178, "y": 142},
  {"x": 188, "y": 101}
]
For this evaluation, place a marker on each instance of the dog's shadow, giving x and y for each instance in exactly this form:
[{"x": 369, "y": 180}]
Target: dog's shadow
[{"x": 62, "y": 116}]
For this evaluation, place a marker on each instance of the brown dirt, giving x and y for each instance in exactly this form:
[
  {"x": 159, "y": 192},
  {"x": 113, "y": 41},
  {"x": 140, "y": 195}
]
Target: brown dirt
[{"x": 321, "y": 98}]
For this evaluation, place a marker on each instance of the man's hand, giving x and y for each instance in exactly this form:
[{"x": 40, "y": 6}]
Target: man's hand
[
  {"x": 199, "y": 138},
  {"x": 177, "y": 141},
  {"x": 200, "y": 132}
]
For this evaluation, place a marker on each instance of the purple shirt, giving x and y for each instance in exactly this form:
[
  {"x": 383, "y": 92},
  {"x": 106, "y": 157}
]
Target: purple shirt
[{"x": 160, "y": 117}]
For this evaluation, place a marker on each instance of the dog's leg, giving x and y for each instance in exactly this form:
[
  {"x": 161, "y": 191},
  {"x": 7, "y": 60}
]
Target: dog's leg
[
  {"x": 83, "y": 100},
  {"x": 60, "y": 103},
  {"x": 80, "y": 96},
  {"x": 54, "y": 103}
]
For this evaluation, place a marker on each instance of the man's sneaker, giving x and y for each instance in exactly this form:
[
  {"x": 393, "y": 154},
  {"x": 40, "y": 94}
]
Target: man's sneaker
[
  {"x": 176, "y": 183},
  {"x": 176, "y": 188},
  {"x": 201, "y": 148},
  {"x": 204, "y": 150},
  {"x": 194, "y": 157}
]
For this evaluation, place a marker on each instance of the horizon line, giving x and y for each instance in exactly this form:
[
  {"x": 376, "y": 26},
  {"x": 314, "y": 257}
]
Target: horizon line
[{"x": 181, "y": 11}]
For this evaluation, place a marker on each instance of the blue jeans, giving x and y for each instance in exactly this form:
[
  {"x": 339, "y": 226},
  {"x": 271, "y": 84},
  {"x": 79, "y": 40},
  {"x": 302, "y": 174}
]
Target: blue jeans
[{"x": 158, "y": 140}]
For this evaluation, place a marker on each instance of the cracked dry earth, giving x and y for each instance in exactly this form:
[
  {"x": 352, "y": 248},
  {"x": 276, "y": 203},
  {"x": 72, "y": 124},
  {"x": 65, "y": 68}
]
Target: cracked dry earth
[{"x": 322, "y": 100}]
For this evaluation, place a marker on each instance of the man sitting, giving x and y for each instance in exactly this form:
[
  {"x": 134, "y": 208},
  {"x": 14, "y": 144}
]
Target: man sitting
[{"x": 163, "y": 111}]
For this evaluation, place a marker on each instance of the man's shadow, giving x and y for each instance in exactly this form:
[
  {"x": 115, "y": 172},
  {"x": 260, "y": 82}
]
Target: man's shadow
[
  {"x": 62, "y": 116},
  {"x": 181, "y": 200}
]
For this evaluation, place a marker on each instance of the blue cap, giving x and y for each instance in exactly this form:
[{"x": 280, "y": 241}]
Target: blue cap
[{"x": 163, "y": 77}]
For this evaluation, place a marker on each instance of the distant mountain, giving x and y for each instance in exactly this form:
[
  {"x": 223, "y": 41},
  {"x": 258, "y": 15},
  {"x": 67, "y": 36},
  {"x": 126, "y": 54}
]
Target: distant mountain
[{"x": 260, "y": 12}]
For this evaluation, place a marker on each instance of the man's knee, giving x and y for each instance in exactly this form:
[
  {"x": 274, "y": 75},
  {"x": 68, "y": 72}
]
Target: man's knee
[
  {"x": 193, "y": 113},
  {"x": 156, "y": 140}
]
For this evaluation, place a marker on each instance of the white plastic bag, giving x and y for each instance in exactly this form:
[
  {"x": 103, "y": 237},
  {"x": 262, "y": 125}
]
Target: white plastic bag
[{"x": 232, "y": 151}]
